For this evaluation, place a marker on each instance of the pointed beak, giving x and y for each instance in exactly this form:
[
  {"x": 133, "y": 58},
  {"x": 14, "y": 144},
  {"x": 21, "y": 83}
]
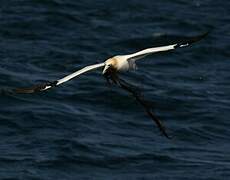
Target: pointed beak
[{"x": 105, "y": 69}]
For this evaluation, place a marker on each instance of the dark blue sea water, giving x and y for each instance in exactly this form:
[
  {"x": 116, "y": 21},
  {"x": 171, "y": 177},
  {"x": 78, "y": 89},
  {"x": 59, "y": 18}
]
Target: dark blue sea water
[{"x": 88, "y": 130}]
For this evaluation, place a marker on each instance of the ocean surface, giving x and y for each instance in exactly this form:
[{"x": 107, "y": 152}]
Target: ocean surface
[{"x": 86, "y": 129}]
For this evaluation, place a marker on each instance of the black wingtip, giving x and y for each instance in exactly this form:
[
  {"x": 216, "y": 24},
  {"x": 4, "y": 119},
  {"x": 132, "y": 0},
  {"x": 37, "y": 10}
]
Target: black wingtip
[
  {"x": 30, "y": 90},
  {"x": 34, "y": 89},
  {"x": 191, "y": 40},
  {"x": 24, "y": 90}
]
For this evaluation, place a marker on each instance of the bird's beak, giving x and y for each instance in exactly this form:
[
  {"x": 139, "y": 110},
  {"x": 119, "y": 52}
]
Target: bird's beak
[{"x": 105, "y": 69}]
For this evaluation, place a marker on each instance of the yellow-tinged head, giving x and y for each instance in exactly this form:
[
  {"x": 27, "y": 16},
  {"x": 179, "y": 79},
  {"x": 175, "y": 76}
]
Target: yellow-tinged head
[{"x": 111, "y": 63}]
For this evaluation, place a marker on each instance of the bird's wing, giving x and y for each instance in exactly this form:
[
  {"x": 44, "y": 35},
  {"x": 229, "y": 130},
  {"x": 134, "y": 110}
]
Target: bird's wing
[
  {"x": 48, "y": 85},
  {"x": 145, "y": 52}
]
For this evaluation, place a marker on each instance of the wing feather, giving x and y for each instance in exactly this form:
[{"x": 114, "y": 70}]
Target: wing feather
[
  {"x": 81, "y": 71},
  {"x": 145, "y": 52},
  {"x": 48, "y": 85}
]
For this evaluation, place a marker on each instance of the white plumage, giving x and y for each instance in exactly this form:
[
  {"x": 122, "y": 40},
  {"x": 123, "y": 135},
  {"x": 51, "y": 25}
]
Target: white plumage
[
  {"x": 118, "y": 63},
  {"x": 114, "y": 65}
]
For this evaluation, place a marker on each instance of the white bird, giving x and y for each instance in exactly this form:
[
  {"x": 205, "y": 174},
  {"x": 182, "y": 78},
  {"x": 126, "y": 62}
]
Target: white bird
[
  {"x": 112, "y": 67},
  {"x": 115, "y": 64}
]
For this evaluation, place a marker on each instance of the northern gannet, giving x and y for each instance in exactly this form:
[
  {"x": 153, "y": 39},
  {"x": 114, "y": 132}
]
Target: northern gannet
[{"x": 112, "y": 67}]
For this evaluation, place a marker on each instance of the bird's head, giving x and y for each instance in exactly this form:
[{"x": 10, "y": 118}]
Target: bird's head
[{"x": 110, "y": 65}]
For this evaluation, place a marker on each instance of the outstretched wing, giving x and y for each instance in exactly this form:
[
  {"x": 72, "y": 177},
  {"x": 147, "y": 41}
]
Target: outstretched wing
[
  {"x": 48, "y": 85},
  {"x": 145, "y": 52}
]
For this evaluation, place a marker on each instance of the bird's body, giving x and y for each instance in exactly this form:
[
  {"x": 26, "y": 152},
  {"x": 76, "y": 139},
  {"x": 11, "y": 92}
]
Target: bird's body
[
  {"x": 121, "y": 63},
  {"x": 112, "y": 66},
  {"x": 118, "y": 63}
]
